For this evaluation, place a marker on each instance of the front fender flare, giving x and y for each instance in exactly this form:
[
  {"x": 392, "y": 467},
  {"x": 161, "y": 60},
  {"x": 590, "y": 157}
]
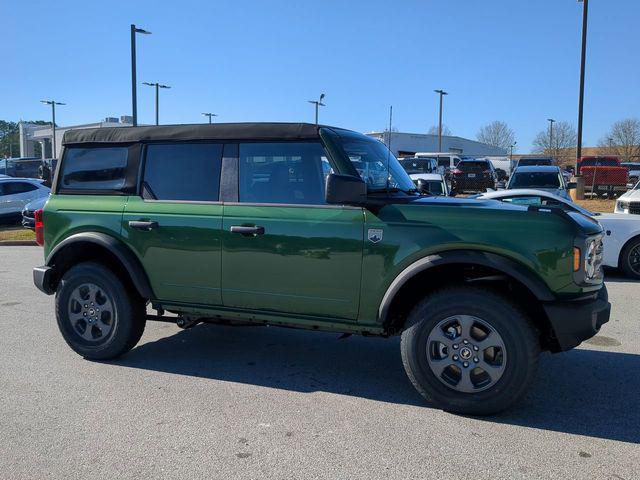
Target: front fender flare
[{"x": 505, "y": 265}]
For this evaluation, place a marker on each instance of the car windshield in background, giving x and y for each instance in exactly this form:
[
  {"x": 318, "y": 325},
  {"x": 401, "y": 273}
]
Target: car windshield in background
[
  {"x": 370, "y": 157},
  {"x": 473, "y": 165},
  {"x": 600, "y": 162},
  {"x": 418, "y": 165},
  {"x": 533, "y": 162},
  {"x": 434, "y": 187},
  {"x": 535, "y": 179}
]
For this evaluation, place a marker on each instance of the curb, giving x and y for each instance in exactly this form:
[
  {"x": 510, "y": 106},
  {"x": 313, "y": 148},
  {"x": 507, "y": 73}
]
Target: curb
[{"x": 18, "y": 243}]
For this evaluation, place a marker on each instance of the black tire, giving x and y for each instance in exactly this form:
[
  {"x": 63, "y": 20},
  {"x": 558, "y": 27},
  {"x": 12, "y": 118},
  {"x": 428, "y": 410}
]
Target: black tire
[
  {"x": 626, "y": 259},
  {"x": 126, "y": 321},
  {"x": 519, "y": 338}
]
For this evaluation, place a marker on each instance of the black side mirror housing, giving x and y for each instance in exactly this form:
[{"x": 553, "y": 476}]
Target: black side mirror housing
[
  {"x": 422, "y": 186},
  {"x": 345, "y": 190},
  {"x": 572, "y": 185}
]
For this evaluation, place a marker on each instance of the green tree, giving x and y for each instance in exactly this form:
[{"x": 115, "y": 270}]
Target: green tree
[{"x": 10, "y": 138}]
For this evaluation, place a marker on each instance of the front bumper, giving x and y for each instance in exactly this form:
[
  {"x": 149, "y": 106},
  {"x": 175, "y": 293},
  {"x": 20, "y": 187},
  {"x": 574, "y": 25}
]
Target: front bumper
[{"x": 575, "y": 321}]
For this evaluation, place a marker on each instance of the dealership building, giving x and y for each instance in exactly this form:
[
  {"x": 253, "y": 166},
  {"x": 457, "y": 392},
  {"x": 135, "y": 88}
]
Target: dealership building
[
  {"x": 30, "y": 134},
  {"x": 408, "y": 144}
]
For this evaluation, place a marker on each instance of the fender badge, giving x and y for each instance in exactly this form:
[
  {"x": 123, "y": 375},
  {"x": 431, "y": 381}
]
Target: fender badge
[{"x": 375, "y": 235}]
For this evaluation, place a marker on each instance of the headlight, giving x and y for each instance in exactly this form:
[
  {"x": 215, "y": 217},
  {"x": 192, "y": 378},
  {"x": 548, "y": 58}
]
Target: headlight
[{"x": 593, "y": 259}]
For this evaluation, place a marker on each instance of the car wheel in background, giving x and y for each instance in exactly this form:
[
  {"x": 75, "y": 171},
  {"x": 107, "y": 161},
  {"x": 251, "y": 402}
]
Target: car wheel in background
[{"x": 630, "y": 259}]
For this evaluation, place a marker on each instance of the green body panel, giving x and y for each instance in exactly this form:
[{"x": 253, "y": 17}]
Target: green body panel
[
  {"x": 315, "y": 266},
  {"x": 65, "y": 215},
  {"x": 182, "y": 257},
  {"x": 308, "y": 261}
]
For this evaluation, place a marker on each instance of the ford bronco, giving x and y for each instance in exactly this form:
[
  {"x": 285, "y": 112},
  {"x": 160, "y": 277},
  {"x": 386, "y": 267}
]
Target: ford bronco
[{"x": 280, "y": 224}]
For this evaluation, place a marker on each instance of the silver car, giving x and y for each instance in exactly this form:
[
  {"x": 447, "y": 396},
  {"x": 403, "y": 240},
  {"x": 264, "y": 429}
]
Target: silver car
[{"x": 547, "y": 178}]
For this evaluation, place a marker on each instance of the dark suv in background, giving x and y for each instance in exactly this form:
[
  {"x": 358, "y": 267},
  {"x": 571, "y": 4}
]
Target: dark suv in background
[{"x": 473, "y": 176}]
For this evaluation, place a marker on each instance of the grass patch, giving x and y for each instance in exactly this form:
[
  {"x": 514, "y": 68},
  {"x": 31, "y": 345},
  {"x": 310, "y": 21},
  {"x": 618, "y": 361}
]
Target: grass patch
[
  {"x": 16, "y": 233},
  {"x": 602, "y": 205}
]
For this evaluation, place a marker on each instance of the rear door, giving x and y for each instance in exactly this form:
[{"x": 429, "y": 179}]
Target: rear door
[
  {"x": 284, "y": 248},
  {"x": 16, "y": 194},
  {"x": 174, "y": 224}
]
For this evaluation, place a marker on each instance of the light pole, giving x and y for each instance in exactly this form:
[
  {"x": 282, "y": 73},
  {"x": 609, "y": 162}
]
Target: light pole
[
  {"x": 318, "y": 104},
  {"x": 134, "y": 96},
  {"x": 441, "y": 93},
  {"x": 583, "y": 55},
  {"x": 158, "y": 87},
  {"x": 551, "y": 122},
  {"x": 53, "y": 104},
  {"x": 511, "y": 151},
  {"x": 210, "y": 115}
]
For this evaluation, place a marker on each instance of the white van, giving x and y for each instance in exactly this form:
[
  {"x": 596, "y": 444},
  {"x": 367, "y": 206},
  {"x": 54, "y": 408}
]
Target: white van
[{"x": 446, "y": 161}]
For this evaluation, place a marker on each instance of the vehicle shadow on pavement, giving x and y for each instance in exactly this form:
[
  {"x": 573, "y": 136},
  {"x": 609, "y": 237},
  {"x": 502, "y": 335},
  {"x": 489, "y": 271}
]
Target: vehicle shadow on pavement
[{"x": 582, "y": 392}]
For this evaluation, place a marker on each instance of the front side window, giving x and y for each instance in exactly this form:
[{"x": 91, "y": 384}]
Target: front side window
[
  {"x": 182, "y": 171},
  {"x": 99, "y": 168},
  {"x": 374, "y": 162},
  {"x": 283, "y": 172}
]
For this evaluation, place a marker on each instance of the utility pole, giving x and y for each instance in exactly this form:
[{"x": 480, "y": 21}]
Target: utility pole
[
  {"x": 585, "y": 13},
  {"x": 441, "y": 93},
  {"x": 551, "y": 122},
  {"x": 53, "y": 104},
  {"x": 158, "y": 86},
  {"x": 134, "y": 95},
  {"x": 317, "y": 103},
  {"x": 210, "y": 115},
  {"x": 511, "y": 152}
]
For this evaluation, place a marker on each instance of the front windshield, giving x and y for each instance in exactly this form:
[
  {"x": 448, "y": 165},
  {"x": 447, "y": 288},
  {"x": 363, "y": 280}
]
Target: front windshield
[
  {"x": 370, "y": 158},
  {"x": 535, "y": 180}
]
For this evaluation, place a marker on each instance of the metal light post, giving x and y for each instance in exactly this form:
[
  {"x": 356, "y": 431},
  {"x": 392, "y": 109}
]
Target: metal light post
[
  {"x": 134, "y": 96},
  {"x": 585, "y": 12},
  {"x": 210, "y": 115},
  {"x": 441, "y": 93},
  {"x": 158, "y": 87},
  {"x": 53, "y": 104},
  {"x": 511, "y": 151},
  {"x": 318, "y": 104},
  {"x": 551, "y": 122}
]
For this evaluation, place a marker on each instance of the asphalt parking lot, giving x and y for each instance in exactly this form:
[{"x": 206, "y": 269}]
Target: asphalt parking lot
[{"x": 259, "y": 402}]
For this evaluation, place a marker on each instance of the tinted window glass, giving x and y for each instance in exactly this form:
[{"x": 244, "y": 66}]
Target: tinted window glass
[
  {"x": 283, "y": 173},
  {"x": 418, "y": 165},
  {"x": 94, "y": 168},
  {"x": 600, "y": 162},
  {"x": 475, "y": 165},
  {"x": 188, "y": 171},
  {"x": 535, "y": 179},
  {"x": 14, "y": 188}
]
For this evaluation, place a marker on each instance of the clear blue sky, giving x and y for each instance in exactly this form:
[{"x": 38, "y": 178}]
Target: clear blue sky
[{"x": 511, "y": 60}]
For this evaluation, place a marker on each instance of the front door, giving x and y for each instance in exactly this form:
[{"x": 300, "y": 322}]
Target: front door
[
  {"x": 284, "y": 248},
  {"x": 174, "y": 225}
]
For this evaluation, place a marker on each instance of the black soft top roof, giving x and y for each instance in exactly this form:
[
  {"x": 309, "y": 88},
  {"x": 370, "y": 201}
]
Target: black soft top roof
[{"x": 217, "y": 131}]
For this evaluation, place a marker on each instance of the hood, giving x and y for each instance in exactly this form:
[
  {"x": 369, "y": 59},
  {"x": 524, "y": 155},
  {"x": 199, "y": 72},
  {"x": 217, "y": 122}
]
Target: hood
[{"x": 631, "y": 195}]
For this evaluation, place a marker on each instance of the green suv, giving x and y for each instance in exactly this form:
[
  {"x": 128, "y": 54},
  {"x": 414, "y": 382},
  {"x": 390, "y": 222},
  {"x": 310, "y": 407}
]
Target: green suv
[{"x": 312, "y": 227}]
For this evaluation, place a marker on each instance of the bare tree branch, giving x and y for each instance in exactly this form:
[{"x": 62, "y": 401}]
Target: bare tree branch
[{"x": 497, "y": 134}]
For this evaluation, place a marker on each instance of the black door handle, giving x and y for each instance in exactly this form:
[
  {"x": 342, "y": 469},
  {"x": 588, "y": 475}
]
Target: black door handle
[
  {"x": 143, "y": 225},
  {"x": 247, "y": 231}
]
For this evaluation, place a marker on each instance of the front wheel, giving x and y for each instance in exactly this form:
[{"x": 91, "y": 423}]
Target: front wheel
[
  {"x": 97, "y": 316},
  {"x": 630, "y": 259},
  {"x": 470, "y": 351}
]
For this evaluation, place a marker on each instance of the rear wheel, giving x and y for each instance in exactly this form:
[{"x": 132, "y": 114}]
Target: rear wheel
[
  {"x": 630, "y": 259},
  {"x": 470, "y": 351},
  {"x": 98, "y": 318}
]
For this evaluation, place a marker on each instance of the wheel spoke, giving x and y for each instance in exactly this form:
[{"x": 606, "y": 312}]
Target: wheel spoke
[
  {"x": 437, "y": 335},
  {"x": 87, "y": 335},
  {"x": 466, "y": 324},
  {"x": 494, "y": 371},
  {"x": 489, "y": 341},
  {"x": 439, "y": 366},
  {"x": 465, "y": 384}
]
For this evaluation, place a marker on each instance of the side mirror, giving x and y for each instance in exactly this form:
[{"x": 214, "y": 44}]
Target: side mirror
[
  {"x": 345, "y": 190},
  {"x": 422, "y": 186},
  {"x": 572, "y": 186}
]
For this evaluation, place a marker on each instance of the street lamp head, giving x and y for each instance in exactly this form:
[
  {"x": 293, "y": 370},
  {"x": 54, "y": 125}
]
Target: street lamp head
[
  {"x": 321, "y": 97},
  {"x": 150, "y": 84},
  {"x": 441, "y": 92},
  {"x": 163, "y": 86},
  {"x": 550, "y": 120},
  {"x": 141, "y": 30}
]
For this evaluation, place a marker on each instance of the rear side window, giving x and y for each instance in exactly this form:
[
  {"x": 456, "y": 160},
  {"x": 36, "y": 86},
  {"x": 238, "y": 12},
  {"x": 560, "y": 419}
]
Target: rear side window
[
  {"x": 288, "y": 173},
  {"x": 14, "y": 188},
  {"x": 94, "y": 168},
  {"x": 187, "y": 172}
]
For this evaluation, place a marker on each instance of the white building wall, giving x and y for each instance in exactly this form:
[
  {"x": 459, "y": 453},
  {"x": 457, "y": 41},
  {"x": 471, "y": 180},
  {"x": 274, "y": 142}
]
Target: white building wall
[{"x": 410, "y": 143}]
